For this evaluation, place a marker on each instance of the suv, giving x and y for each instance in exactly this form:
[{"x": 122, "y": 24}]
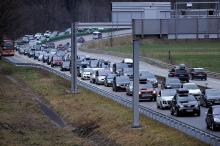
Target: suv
[
  {"x": 211, "y": 97},
  {"x": 179, "y": 72},
  {"x": 197, "y": 73},
  {"x": 146, "y": 91},
  {"x": 213, "y": 117},
  {"x": 183, "y": 102},
  {"x": 120, "y": 83},
  {"x": 172, "y": 83}
]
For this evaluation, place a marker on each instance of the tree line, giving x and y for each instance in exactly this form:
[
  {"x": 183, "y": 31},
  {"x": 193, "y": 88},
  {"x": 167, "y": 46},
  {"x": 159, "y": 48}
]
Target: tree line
[{"x": 19, "y": 17}]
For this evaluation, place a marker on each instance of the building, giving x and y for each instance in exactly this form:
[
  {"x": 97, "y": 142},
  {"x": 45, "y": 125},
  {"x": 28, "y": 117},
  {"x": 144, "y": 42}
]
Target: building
[{"x": 124, "y": 12}]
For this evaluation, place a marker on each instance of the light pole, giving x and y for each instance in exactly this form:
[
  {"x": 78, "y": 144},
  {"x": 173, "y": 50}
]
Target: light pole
[{"x": 73, "y": 58}]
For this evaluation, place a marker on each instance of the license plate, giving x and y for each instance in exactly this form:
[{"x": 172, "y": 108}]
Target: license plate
[{"x": 189, "y": 110}]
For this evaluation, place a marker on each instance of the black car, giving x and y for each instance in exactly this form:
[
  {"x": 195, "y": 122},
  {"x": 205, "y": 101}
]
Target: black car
[
  {"x": 183, "y": 102},
  {"x": 198, "y": 73},
  {"x": 81, "y": 40},
  {"x": 109, "y": 80},
  {"x": 179, "y": 72},
  {"x": 213, "y": 117},
  {"x": 145, "y": 76},
  {"x": 31, "y": 53},
  {"x": 210, "y": 97},
  {"x": 120, "y": 83},
  {"x": 172, "y": 83}
]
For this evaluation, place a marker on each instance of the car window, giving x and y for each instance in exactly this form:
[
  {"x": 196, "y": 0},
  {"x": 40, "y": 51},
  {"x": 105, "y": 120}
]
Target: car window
[
  {"x": 168, "y": 92},
  {"x": 186, "y": 98},
  {"x": 172, "y": 80},
  {"x": 190, "y": 86},
  {"x": 211, "y": 92},
  {"x": 216, "y": 111}
]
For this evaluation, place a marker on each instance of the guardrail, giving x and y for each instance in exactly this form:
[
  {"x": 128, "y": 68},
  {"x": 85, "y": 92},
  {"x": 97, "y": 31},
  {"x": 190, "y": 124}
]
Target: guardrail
[{"x": 164, "y": 119}]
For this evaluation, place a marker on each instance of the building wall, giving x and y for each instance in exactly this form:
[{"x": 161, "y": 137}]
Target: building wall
[{"x": 126, "y": 11}]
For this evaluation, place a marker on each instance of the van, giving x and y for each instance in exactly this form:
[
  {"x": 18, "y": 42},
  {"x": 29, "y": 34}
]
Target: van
[{"x": 96, "y": 35}]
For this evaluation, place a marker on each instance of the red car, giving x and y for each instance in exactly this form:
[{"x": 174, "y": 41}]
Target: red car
[{"x": 56, "y": 61}]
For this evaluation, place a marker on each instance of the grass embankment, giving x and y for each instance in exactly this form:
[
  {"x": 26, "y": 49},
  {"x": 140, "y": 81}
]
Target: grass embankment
[
  {"x": 201, "y": 53},
  {"x": 96, "y": 120}
]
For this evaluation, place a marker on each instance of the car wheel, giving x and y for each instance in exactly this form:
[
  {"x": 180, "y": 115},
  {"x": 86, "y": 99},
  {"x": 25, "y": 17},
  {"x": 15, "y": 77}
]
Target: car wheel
[
  {"x": 212, "y": 127},
  {"x": 158, "y": 106},
  {"x": 171, "y": 111},
  {"x": 198, "y": 113},
  {"x": 176, "y": 113},
  {"x": 161, "y": 106}
]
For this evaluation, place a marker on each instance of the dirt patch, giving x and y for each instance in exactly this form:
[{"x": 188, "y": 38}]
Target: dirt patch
[{"x": 88, "y": 130}]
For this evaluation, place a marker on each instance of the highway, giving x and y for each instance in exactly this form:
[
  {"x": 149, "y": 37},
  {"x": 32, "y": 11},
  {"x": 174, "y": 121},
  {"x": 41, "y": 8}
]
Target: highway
[{"x": 198, "y": 122}]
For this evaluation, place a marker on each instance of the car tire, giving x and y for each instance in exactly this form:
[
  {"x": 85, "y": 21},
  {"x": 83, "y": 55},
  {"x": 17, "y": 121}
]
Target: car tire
[
  {"x": 176, "y": 113},
  {"x": 158, "y": 106},
  {"x": 212, "y": 127},
  {"x": 198, "y": 113},
  {"x": 171, "y": 111}
]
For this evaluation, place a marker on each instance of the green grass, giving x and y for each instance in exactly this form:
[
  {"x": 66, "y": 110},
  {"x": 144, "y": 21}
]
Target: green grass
[
  {"x": 202, "y": 53},
  {"x": 113, "y": 120}
]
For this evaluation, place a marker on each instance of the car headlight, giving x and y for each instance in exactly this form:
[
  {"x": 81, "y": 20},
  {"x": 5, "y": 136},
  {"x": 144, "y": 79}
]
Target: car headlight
[
  {"x": 117, "y": 84},
  {"x": 181, "y": 106},
  {"x": 217, "y": 120},
  {"x": 139, "y": 92},
  {"x": 154, "y": 92}
]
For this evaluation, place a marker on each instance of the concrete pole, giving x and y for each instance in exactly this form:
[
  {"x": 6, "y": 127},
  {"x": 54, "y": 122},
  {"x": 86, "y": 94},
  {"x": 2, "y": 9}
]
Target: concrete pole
[
  {"x": 73, "y": 58},
  {"x": 135, "y": 99}
]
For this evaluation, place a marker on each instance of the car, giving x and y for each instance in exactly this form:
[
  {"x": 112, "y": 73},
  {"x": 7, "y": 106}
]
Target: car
[
  {"x": 128, "y": 61},
  {"x": 80, "y": 40},
  {"x": 31, "y": 53},
  {"x": 109, "y": 79},
  {"x": 165, "y": 97},
  {"x": 197, "y": 73},
  {"x": 120, "y": 83},
  {"x": 179, "y": 72},
  {"x": 65, "y": 66},
  {"x": 80, "y": 68},
  {"x": 127, "y": 72},
  {"x": 93, "y": 75},
  {"x": 193, "y": 90},
  {"x": 213, "y": 117},
  {"x": 183, "y": 103},
  {"x": 56, "y": 61},
  {"x": 145, "y": 76},
  {"x": 85, "y": 75},
  {"x": 93, "y": 63},
  {"x": 172, "y": 83},
  {"x": 146, "y": 91},
  {"x": 51, "y": 54},
  {"x": 103, "y": 64},
  {"x": 100, "y": 76},
  {"x": 117, "y": 67},
  {"x": 210, "y": 97}
]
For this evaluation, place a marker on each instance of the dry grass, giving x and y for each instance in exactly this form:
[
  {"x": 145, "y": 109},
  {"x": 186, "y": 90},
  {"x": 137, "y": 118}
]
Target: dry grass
[{"x": 99, "y": 119}]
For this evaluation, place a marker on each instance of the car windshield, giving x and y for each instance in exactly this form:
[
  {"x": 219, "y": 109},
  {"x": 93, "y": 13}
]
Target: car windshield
[
  {"x": 216, "y": 111},
  {"x": 190, "y": 86},
  {"x": 168, "y": 92},
  {"x": 104, "y": 72},
  {"x": 147, "y": 74},
  {"x": 121, "y": 65},
  {"x": 56, "y": 58},
  {"x": 87, "y": 70},
  {"x": 148, "y": 85},
  {"x": 186, "y": 98},
  {"x": 128, "y": 70},
  {"x": 173, "y": 81},
  {"x": 111, "y": 76},
  {"x": 181, "y": 71},
  {"x": 122, "y": 78},
  {"x": 60, "y": 53},
  {"x": 8, "y": 45},
  {"x": 199, "y": 70},
  {"x": 211, "y": 92}
]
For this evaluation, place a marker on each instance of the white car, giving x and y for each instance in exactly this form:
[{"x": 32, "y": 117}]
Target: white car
[
  {"x": 127, "y": 60},
  {"x": 165, "y": 98},
  {"x": 85, "y": 75},
  {"x": 193, "y": 90}
]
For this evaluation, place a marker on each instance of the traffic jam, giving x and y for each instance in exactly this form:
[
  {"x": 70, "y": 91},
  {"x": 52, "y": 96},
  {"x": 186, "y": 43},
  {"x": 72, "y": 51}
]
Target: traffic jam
[{"x": 175, "y": 93}]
